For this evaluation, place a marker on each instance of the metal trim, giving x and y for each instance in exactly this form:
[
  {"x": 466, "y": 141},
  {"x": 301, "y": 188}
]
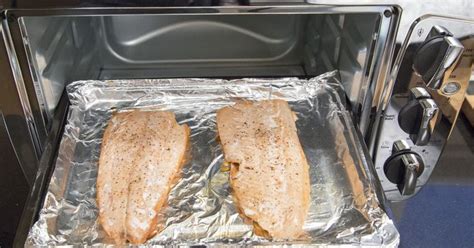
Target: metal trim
[
  {"x": 15, "y": 113},
  {"x": 382, "y": 65},
  {"x": 229, "y": 10},
  {"x": 33, "y": 73},
  {"x": 21, "y": 89}
]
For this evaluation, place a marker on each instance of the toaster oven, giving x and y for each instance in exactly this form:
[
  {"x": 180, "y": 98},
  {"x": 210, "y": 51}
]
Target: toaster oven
[{"x": 404, "y": 67}]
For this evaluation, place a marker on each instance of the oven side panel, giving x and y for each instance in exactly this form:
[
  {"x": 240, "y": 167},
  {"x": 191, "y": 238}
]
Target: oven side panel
[
  {"x": 15, "y": 113},
  {"x": 18, "y": 160}
]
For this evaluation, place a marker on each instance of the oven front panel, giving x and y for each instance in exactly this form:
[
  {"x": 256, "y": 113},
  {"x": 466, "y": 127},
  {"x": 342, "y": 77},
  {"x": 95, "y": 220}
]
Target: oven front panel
[{"x": 429, "y": 84}]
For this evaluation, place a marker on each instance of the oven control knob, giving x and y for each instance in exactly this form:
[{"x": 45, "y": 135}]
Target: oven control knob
[
  {"x": 438, "y": 52},
  {"x": 418, "y": 117},
  {"x": 404, "y": 167}
]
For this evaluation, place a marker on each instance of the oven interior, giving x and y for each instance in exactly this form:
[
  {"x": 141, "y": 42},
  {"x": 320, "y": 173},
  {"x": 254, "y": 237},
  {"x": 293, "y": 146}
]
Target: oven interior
[{"x": 63, "y": 49}]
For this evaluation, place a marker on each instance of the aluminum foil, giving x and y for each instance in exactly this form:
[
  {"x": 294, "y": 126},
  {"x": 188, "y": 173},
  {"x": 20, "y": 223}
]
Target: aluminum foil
[{"x": 344, "y": 207}]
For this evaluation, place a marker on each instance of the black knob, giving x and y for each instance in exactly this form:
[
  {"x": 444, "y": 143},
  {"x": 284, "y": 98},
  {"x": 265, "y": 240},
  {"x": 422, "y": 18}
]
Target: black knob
[
  {"x": 410, "y": 117},
  {"x": 402, "y": 169},
  {"x": 435, "y": 55},
  {"x": 415, "y": 117},
  {"x": 429, "y": 57}
]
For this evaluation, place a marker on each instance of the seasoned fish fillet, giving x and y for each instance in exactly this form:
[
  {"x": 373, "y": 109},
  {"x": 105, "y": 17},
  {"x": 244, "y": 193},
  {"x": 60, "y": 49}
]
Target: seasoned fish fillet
[
  {"x": 269, "y": 172},
  {"x": 141, "y": 156}
]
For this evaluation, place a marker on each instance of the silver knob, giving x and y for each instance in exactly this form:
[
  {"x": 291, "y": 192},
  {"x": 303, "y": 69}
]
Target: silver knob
[
  {"x": 400, "y": 145},
  {"x": 437, "y": 30},
  {"x": 439, "y": 52},
  {"x": 412, "y": 164},
  {"x": 403, "y": 167},
  {"x": 425, "y": 130},
  {"x": 418, "y": 117}
]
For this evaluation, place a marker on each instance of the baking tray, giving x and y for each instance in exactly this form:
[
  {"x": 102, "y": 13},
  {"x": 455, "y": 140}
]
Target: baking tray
[{"x": 344, "y": 210}]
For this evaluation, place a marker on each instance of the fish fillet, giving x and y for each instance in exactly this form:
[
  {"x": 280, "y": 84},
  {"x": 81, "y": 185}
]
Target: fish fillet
[
  {"x": 269, "y": 173},
  {"x": 141, "y": 156}
]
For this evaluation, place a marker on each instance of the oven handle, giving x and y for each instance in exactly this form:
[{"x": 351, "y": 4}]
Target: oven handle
[{"x": 45, "y": 168}]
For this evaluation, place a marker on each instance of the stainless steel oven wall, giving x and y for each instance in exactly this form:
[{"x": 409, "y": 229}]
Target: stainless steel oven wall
[
  {"x": 163, "y": 46},
  {"x": 238, "y": 46},
  {"x": 59, "y": 50},
  {"x": 296, "y": 41}
]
